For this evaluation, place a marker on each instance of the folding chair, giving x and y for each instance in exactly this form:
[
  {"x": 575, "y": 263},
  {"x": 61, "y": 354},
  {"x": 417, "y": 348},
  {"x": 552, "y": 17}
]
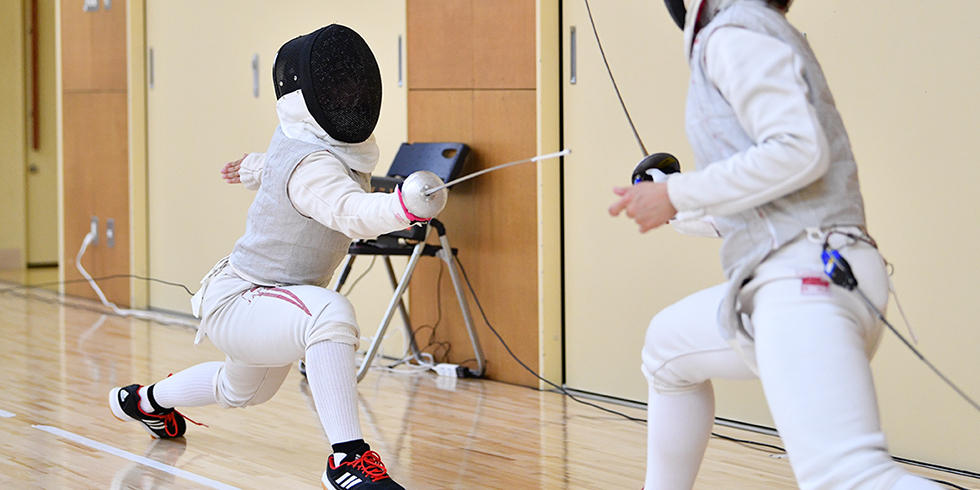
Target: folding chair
[{"x": 446, "y": 161}]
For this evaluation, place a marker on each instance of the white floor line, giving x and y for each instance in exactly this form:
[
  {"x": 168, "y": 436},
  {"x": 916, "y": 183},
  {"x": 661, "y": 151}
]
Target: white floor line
[
  {"x": 5, "y": 414},
  {"x": 187, "y": 475}
]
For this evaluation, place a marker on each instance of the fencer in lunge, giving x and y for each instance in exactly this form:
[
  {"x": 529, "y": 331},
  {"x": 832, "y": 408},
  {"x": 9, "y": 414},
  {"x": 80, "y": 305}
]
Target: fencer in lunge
[
  {"x": 777, "y": 181},
  {"x": 263, "y": 305}
]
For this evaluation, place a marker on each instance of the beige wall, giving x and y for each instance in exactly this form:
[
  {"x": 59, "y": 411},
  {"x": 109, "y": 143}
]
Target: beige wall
[
  {"x": 549, "y": 191},
  {"x": 201, "y": 113},
  {"x": 12, "y": 136},
  {"x": 905, "y": 83}
]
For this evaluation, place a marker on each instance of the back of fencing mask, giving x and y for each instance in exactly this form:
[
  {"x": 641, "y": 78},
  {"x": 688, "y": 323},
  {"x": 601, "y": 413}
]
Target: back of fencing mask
[
  {"x": 677, "y": 11},
  {"x": 339, "y": 77}
]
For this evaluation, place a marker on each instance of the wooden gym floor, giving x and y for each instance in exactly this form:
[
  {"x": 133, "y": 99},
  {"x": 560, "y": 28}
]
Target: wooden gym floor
[{"x": 56, "y": 431}]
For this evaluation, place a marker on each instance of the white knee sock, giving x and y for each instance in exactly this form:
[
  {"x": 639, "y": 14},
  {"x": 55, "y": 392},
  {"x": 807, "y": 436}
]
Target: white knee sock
[
  {"x": 192, "y": 387},
  {"x": 330, "y": 370},
  {"x": 678, "y": 426}
]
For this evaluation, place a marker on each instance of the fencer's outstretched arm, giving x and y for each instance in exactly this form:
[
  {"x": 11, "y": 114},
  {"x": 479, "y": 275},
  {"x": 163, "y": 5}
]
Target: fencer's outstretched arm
[
  {"x": 762, "y": 79},
  {"x": 321, "y": 189}
]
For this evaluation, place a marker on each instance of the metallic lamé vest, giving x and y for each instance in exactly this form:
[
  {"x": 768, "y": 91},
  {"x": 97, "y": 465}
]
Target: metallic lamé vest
[
  {"x": 715, "y": 134},
  {"x": 281, "y": 246}
]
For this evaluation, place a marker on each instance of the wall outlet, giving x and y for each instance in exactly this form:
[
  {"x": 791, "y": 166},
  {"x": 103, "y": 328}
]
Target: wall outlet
[
  {"x": 110, "y": 232},
  {"x": 94, "y": 230}
]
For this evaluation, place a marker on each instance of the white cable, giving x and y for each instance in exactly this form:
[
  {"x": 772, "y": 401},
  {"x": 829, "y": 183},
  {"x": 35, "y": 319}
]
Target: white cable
[{"x": 141, "y": 314}]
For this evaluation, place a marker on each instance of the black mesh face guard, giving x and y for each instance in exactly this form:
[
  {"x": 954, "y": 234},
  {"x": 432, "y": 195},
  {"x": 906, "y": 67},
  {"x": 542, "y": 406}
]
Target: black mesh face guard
[{"x": 339, "y": 77}]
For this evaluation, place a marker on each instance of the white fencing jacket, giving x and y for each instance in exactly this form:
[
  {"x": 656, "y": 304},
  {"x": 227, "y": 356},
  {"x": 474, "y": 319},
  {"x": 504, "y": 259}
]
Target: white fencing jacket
[{"x": 320, "y": 187}]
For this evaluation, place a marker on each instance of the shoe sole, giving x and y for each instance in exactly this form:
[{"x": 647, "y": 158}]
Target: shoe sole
[{"x": 120, "y": 415}]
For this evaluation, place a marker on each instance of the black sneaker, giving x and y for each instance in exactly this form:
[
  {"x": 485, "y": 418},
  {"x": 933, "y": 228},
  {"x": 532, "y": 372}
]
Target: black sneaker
[
  {"x": 163, "y": 423},
  {"x": 357, "y": 472}
]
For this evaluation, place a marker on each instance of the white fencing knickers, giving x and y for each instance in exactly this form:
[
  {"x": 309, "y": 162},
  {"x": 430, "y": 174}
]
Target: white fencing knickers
[
  {"x": 264, "y": 330},
  {"x": 812, "y": 344}
]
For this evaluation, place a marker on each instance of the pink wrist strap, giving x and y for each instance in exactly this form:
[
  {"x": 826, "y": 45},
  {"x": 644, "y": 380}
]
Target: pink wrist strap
[{"x": 411, "y": 217}]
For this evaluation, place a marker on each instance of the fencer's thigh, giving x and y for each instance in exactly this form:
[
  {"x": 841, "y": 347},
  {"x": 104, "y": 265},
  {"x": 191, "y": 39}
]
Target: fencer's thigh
[
  {"x": 813, "y": 358},
  {"x": 684, "y": 346},
  {"x": 266, "y": 326},
  {"x": 240, "y": 384}
]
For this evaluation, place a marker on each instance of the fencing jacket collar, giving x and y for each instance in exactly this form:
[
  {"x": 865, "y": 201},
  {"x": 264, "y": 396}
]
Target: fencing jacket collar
[
  {"x": 297, "y": 123},
  {"x": 700, "y": 13}
]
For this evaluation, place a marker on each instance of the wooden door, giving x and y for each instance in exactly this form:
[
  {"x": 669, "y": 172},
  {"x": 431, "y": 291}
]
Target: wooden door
[
  {"x": 95, "y": 139},
  {"x": 203, "y": 110},
  {"x": 616, "y": 279}
]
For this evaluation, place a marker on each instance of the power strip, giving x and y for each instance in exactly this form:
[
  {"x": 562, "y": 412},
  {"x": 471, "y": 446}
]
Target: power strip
[{"x": 447, "y": 369}]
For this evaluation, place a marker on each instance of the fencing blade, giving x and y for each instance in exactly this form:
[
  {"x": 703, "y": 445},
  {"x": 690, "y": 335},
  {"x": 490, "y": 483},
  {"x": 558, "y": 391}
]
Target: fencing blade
[{"x": 538, "y": 158}]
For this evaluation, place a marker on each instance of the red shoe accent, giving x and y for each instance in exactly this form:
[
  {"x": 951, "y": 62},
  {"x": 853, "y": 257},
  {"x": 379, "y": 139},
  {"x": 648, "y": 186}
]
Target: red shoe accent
[
  {"x": 169, "y": 418},
  {"x": 369, "y": 462}
]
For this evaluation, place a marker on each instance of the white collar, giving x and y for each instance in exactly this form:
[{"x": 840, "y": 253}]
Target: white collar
[{"x": 297, "y": 123}]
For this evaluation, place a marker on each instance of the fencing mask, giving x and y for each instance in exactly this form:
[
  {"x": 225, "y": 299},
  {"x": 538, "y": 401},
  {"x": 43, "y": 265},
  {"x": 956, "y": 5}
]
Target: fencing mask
[
  {"x": 677, "y": 11},
  {"x": 339, "y": 77}
]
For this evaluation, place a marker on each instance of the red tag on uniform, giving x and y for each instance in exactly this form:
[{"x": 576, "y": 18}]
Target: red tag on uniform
[{"x": 814, "y": 285}]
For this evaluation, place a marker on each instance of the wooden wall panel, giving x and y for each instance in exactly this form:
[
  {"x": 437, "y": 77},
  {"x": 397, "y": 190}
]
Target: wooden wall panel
[
  {"x": 96, "y": 176},
  {"x": 463, "y": 44},
  {"x": 472, "y": 79},
  {"x": 492, "y": 220},
  {"x": 93, "y": 47},
  {"x": 439, "y": 44},
  {"x": 503, "y": 34},
  {"x": 95, "y": 144}
]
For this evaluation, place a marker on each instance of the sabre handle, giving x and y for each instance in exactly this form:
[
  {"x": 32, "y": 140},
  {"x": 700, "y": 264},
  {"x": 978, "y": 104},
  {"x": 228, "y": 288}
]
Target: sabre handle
[{"x": 655, "y": 168}]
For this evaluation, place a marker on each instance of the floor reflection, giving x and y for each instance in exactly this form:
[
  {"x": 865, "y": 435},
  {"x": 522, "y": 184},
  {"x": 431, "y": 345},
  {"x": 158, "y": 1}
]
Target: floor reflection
[{"x": 139, "y": 476}]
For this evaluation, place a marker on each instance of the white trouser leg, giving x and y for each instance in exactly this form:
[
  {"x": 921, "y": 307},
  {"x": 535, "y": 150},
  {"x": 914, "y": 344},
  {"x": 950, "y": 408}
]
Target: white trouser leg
[
  {"x": 677, "y": 435},
  {"x": 812, "y": 345},
  {"x": 682, "y": 352},
  {"x": 813, "y": 355}
]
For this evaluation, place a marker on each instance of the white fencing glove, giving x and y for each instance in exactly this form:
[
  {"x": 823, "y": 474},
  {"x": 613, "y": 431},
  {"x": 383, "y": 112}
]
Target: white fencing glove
[{"x": 418, "y": 207}]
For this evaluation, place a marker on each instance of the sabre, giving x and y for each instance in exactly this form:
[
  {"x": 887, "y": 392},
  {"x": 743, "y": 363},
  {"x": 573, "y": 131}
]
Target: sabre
[{"x": 429, "y": 192}]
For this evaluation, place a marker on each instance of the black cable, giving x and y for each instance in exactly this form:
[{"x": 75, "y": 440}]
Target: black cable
[
  {"x": 369, "y": 267},
  {"x": 432, "y": 342},
  {"x": 102, "y": 278},
  {"x": 949, "y": 484},
  {"x": 525, "y": 366},
  {"x": 561, "y": 389},
  {"x": 840, "y": 273},
  {"x": 613, "y": 79},
  {"x": 751, "y": 443}
]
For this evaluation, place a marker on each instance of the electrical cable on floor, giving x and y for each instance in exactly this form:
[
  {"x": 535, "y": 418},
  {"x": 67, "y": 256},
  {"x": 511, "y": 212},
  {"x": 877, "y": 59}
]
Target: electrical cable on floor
[
  {"x": 141, "y": 314},
  {"x": 561, "y": 389},
  {"x": 426, "y": 361},
  {"x": 41, "y": 285}
]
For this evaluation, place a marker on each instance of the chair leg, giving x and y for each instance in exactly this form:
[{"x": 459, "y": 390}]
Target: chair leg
[
  {"x": 345, "y": 273},
  {"x": 389, "y": 312},
  {"x": 446, "y": 254},
  {"x": 404, "y": 312}
]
